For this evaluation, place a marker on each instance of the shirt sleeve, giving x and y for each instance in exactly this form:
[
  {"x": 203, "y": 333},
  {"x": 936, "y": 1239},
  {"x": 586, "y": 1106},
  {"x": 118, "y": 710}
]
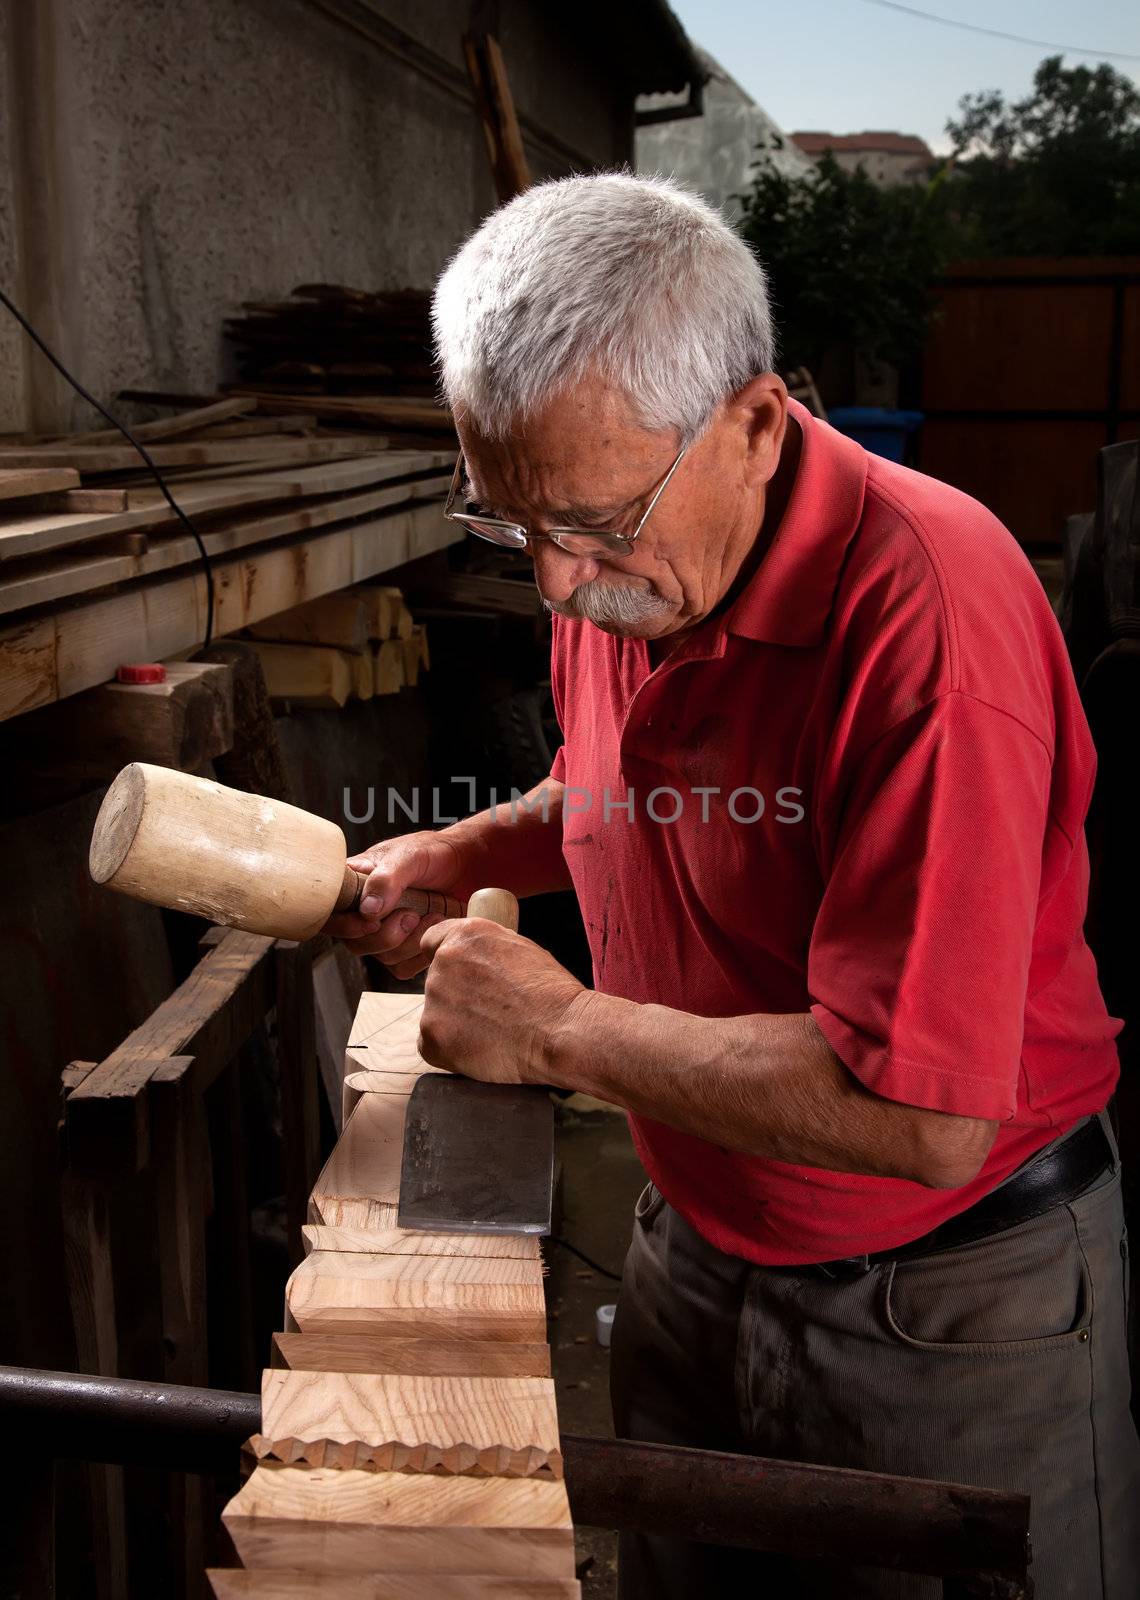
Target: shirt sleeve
[{"x": 919, "y": 960}]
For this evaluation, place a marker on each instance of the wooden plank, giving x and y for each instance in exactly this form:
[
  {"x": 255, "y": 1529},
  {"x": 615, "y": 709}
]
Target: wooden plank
[
  {"x": 383, "y": 411},
  {"x": 81, "y": 572},
  {"x": 334, "y": 619},
  {"x": 257, "y": 427},
  {"x": 411, "y": 1242},
  {"x": 357, "y": 1521},
  {"x": 388, "y": 667},
  {"x": 298, "y": 1075},
  {"x": 169, "y": 427},
  {"x": 49, "y": 657},
  {"x": 334, "y": 1350},
  {"x": 472, "y": 1426},
  {"x": 207, "y": 494},
  {"x": 306, "y": 674},
  {"x": 36, "y": 480},
  {"x": 207, "y": 1018},
  {"x": 203, "y": 453},
  {"x": 182, "y": 722},
  {"x": 419, "y": 1296},
  {"x": 264, "y": 1583}
]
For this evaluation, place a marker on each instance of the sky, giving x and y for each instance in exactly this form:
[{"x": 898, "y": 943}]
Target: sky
[{"x": 844, "y": 65}]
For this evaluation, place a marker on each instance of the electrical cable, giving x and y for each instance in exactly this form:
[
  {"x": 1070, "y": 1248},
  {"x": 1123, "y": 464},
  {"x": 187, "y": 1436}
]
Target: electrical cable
[
  {"x": 997, "y": 33},
  {"x": 556, "y": 1238},
  {"x": 143, "y": 452}
]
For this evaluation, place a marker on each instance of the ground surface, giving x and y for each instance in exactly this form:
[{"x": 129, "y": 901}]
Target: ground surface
[{"x": 601, "y": 1180}]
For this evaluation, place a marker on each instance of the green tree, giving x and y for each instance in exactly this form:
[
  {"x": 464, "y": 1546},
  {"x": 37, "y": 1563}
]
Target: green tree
[
  {"x": 849, "y": 264},
  {"x": 1057, "y": 173}
]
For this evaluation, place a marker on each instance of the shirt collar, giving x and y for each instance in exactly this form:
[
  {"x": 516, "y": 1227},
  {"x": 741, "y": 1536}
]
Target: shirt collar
[{"x": 789, "y": 599}]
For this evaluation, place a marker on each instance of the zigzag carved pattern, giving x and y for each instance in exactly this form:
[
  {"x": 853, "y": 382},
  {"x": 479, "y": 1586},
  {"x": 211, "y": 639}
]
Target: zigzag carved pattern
[{"x": 458, "y": 1460}]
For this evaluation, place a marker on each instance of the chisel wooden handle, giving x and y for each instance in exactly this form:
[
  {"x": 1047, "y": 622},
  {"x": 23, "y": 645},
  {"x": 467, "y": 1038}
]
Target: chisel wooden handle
[
  {"x": 240, "y": 859},
  {"x": 424, "y": 902},
  {"x": 497, "y": 905}
]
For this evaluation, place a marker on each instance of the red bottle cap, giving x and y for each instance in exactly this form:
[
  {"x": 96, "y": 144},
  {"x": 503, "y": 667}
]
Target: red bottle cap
[{"x": 141, "y": 672}]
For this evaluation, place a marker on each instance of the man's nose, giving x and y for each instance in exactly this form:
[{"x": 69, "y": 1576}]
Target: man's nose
[{"x": 557, "y": 572}]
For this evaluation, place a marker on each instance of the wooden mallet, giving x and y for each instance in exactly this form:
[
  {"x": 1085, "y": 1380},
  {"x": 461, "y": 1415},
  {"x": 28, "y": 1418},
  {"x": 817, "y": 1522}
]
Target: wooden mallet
[{"x": 239, "y": 859}]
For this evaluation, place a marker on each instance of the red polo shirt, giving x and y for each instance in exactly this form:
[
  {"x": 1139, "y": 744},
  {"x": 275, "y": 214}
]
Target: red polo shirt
[{"x": 879, "y": 770}]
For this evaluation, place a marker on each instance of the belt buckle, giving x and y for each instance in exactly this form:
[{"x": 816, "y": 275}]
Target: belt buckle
[{"x": 847, "y": 1269}]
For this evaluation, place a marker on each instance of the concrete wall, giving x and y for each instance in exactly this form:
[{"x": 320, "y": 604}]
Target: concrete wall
[
  {"x": 714, "y": 154},
  {"x": 230, "y": 149}
]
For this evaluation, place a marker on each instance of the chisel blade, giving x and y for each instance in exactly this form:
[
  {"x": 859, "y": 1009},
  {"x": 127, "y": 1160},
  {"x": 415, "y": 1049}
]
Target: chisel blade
[{"x": 478, "y": 1157}]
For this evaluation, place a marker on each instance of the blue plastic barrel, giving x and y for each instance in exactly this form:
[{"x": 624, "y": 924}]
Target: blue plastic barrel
[{"x": 874, "y": 427}]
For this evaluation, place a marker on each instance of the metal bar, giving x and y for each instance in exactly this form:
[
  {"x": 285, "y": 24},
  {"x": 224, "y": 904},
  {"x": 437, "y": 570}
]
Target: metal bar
[{"x": 946, "y": 1530}]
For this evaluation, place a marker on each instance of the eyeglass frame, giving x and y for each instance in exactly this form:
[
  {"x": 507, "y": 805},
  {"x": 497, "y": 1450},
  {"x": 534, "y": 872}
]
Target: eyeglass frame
[{"x": 555, "y": 535}]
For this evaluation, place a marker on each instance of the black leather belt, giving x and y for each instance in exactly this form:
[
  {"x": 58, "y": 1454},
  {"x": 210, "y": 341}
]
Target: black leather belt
[{"x": 1061, "y": 1172}]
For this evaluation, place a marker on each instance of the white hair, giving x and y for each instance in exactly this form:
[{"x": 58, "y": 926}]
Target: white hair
[{"x": 631, "y": 278}]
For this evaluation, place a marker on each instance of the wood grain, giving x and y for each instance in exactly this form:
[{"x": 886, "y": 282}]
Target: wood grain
[
  {"x": 477, "y": 1426},
  {"x": 238, "y": 1583},
  {"x": 333, "y": 1350},
  {"x": 364, "y": 1167},
  {"x": 44, "y": 658},
  {"x": 411, "y": 1242},
  {"x": 35, "y": 480},
  {"x": 70, "y": 571},
  {"x": 419, "y": 1296},
  {"x": 124, "y": 458},
  {"x": 353, "y": 1521}
]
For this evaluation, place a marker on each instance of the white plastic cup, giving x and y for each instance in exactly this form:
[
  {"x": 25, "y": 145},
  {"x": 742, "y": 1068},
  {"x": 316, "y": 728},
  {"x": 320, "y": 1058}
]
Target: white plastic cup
[{"x": 604, "y": 1325}]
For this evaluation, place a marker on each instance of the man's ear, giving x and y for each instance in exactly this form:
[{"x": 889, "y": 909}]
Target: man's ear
[{"x": 761, "y": 410}]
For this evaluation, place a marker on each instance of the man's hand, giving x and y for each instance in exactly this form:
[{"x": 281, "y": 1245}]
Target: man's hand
[
  {"x": 424, "y": 860},
  {"x": 493, "y": 1002}
]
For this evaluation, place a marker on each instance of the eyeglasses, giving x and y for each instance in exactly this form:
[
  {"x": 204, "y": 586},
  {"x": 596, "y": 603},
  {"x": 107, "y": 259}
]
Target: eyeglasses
[{"x": 576, "y": 541}]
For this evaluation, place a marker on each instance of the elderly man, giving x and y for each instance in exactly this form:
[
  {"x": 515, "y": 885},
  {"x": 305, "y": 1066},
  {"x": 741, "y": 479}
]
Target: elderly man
[{"x": 821, "y": 800}]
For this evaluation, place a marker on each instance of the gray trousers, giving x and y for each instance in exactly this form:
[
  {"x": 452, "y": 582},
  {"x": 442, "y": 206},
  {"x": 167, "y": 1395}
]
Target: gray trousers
[{"x": 1000, "y": 1363}]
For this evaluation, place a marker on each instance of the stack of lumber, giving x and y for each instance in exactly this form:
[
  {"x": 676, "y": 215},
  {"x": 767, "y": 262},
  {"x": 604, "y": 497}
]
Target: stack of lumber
[
  {"x": 96, "y": 569},
  {"x": 354, "y": 644},
  {"x": 409, "y": 1444},
  {"x": 326, "y": 337},
  {"x": 358, "y": 358}
]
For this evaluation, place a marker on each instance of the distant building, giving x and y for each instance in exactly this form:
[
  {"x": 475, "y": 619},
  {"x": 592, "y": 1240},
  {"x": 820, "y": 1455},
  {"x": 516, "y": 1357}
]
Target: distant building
[
  {"x": 714, "y": 153},
  {"x": 887, "y": 158}
]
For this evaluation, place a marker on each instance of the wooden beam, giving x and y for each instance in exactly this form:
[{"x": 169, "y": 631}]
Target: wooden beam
[
  {"x": 277, "y": 1583},
  {"x": 390, "y": 1522},
  {"x": 49, "y": 657},
  {"x": 18, "y": 482},
  {"x": 374, "y": 410},
  {"x": 334, "y": 619},
  {"x": 334, "y": 1350},
  {"x": 123, "y": 458},
  {"x": 306, "y": 674},
  {"x": 147, "y": 510},
  {"x": 207, "y": 1018},
  {"x": 168, "y": 427},
  {"x": 419, "y": 1297},
  {"x": 470, "y": 1426}
]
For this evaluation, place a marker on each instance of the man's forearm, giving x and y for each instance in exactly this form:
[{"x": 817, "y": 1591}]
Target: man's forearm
[
  {"x": 768, "y": 1086},
  {"x": 517, "y": 845}
]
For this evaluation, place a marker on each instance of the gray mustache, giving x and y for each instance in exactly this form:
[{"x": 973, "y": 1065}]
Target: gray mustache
[{"x": 609, "y": 604}]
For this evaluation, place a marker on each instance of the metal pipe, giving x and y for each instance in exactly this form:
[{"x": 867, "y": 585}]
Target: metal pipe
[{"x": 914, "y": 1525}]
